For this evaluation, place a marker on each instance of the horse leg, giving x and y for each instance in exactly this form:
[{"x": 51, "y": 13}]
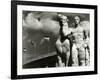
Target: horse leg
[
  {"x": 66, "y": 50},
  {"x": 59, "y": 53}
]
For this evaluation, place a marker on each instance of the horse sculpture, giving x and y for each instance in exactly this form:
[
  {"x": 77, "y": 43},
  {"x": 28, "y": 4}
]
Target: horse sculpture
[{"x": 63, "y": 43}]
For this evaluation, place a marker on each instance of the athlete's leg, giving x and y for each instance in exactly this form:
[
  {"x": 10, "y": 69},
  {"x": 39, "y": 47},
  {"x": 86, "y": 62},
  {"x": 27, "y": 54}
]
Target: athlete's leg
[
  {"x": 87, "y": 57},
  {"x": 82, "y": 56},
  {"x": 74, "y": 55}
]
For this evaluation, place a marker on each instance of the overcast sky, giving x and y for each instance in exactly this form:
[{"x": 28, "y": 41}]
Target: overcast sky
[{"x": 47, "y": 21}]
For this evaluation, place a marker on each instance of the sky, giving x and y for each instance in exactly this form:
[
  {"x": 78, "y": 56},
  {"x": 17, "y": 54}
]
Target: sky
[{"x": 47, "y": 22}]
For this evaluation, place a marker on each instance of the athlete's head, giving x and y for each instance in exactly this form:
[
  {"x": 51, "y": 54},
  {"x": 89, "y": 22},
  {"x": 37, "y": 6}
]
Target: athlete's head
[{"x": 77, "y": 20}]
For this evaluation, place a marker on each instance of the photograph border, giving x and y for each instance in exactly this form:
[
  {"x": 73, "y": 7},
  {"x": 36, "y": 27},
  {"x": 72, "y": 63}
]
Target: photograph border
[{"x": 14, "y": 38}]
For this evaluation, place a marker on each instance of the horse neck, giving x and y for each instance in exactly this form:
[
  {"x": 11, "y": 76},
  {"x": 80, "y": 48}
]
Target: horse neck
[
  {"x": 65, "y": 24},
  {"x": 62, "y": 29}
]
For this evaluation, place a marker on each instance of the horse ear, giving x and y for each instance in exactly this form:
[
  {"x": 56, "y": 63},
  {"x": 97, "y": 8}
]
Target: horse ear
[
  {"x": 59, "y": 15},
  {"x": 67, "y": 19}
]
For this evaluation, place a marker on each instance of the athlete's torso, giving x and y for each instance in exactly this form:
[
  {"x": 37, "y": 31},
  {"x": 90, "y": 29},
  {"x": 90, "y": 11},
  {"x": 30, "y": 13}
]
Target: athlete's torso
[{"x": 78, "y": 35}]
